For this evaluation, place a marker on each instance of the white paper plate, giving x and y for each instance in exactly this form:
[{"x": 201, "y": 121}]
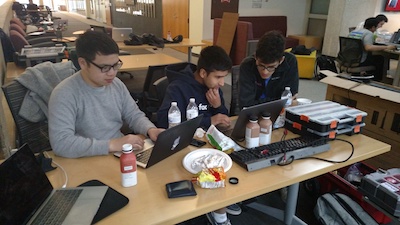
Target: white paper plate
[{"x": 191, "y": 156}]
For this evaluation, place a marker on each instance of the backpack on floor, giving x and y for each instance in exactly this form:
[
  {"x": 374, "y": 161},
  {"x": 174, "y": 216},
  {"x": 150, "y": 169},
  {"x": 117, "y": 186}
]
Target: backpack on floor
[
  {"x": 324, "y": 62},
  {"x": 339, "y": 209}
]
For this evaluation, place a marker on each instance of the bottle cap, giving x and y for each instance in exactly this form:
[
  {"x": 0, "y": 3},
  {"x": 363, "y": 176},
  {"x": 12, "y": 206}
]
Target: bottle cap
[
  {"x": 287, "y": 88},
  {"x": 266, "y": 114},
  {"x": 253, "y": 118},
  {"x": 126, "y": 148},
  {"x": 174, "y": 103},
  {"x": 192, "y": 100}
]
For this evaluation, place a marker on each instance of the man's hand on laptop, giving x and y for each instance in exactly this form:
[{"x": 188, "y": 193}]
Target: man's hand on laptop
[
  {"x": 221, "y": 120},
  {"x": 137, "y": 142},
  {"x": 154, "y": 132},
  {"x": 213, "y": 97}
]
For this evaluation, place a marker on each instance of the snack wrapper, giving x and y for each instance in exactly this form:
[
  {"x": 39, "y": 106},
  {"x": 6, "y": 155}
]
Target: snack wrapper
[
  {"x": 211, "y": 178},
  {"x": 218, "y": 140}
]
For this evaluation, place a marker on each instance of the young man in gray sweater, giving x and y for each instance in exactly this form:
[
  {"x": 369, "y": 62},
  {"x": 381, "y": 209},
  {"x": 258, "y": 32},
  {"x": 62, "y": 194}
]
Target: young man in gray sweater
[{"x": 88, "y": 109}]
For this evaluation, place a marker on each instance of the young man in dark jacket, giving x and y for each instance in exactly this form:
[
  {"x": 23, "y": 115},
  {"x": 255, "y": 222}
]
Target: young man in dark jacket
[
  {"x": 264, "y": 76},
  {"x": 202, "y": 82}
]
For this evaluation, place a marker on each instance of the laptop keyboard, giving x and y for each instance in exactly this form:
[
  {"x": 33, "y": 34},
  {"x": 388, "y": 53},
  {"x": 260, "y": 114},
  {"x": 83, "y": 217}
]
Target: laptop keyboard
[
  {"x": 144, "y": 156},
  {"x": 58, "y": 206}
]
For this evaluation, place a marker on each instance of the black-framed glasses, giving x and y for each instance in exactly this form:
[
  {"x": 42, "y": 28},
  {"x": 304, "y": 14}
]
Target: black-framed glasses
[
  {"x": 268, "y": 68},
  {"x": 106, "y": 68}
]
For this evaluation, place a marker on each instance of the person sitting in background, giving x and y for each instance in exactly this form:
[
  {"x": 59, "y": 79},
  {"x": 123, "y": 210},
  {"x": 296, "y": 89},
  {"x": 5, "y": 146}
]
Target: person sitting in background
[
  {"x": 33, "y": 11},
  {"x": 202, "y": 82},
  {"x": 366, "y": 34},
  {"x": 88, "y": 109},
  {"x": 264, "y": 76},
  {"x": 382, "y": 19}
]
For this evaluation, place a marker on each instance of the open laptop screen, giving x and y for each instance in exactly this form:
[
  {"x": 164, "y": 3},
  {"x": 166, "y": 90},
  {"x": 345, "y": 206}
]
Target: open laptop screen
[{"x": 23, "y": 187}]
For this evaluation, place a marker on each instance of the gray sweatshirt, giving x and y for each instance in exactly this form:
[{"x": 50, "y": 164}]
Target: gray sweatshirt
[{"x": 83, "y": 119}]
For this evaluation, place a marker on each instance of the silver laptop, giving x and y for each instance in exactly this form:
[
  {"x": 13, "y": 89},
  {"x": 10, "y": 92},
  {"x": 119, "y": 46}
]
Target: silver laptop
[
  {"x": 27, "y": 195},
  {"x": 121, "y": 34},
  {"x": 237, "y": 133},
  {"x": 169, "y": 142}
]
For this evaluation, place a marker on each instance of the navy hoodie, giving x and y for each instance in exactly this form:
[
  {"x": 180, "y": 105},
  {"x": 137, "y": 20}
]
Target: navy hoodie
[{"x": 183, "y": 86}]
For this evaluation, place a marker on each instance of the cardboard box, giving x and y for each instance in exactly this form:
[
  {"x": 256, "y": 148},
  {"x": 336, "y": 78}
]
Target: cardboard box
[
  {"x": 306, "y": 64},
  {"x": 381, "y": 105}
]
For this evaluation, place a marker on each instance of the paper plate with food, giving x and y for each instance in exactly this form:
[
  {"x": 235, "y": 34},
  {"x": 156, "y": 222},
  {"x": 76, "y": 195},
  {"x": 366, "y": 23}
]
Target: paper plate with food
[{"x": 203, "y": 158}]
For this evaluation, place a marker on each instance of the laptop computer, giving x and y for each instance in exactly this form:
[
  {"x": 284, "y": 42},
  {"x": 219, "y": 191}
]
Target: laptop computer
[
  {"x": 238, "y": 131},
  {"x": 26, "y": 192},
  {"x": 168, "y": 143},
  {"x": 121, "y": 34}
]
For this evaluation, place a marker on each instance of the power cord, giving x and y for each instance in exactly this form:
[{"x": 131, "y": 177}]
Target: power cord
[
  {"x": 332, "y": 161},
  {"x": 58, "y": 165}
]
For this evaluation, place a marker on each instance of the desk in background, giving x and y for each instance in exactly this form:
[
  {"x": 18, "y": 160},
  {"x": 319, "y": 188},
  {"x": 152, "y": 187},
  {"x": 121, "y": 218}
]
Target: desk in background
[
  {"x": 149, "y": 203},
  {"x": 389, "y": 54},
  {"x": 185, "y": 43},
  {"x": 382, "y": 106},
  {"x": 130, "y": 63}
]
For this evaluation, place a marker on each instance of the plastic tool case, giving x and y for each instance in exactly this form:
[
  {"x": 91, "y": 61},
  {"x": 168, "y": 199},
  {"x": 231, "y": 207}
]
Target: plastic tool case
[
  {"x": 325, "y": 116},
  {"x": 383, "y": 188}
]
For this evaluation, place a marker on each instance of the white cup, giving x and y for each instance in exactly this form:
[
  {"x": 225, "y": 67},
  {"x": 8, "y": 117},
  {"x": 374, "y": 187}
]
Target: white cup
[{"x": 303, "y": 101}]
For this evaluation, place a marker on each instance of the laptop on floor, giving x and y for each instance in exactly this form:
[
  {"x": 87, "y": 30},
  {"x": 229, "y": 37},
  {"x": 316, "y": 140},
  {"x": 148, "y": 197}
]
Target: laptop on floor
[
  {"x": 121, "y": 34},
  {"x": 169, "y": 142},
  {"x": 237, "y": 133},
  {"x": 25, "y": 190}
]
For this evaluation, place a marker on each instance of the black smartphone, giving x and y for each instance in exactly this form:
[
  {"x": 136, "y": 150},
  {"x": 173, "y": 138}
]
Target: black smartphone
[{"x": 197, "y": 143}]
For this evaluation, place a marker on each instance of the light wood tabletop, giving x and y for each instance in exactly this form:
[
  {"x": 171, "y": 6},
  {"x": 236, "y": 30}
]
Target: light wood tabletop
[
  {"x": 184, "y": 43},
  {"x": 141, "y": 62},
  {"x": 149, "y": 203},
  {"x": 130, "y": 63}
]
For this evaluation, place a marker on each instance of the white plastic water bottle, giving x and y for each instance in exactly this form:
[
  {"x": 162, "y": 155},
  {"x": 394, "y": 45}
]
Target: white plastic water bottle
[
  {"x": 286, "y": 94},
  {"x": 174, "y": 115},
  {"x": 192, "y": 111}
]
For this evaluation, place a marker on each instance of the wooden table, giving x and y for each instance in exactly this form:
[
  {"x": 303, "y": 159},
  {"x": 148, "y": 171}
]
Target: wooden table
[
  {"x": 130, "y": 63},
  {"x": 149, "y": 203},
  {"x": 185, "y": 43},
  {"x": 382, "y": 107},
  {"x": 141, "y": 62}
]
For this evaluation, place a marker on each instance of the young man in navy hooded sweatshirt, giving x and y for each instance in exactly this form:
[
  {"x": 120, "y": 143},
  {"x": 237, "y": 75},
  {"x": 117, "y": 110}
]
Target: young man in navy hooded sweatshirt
[{"x": 202, "y": 82}]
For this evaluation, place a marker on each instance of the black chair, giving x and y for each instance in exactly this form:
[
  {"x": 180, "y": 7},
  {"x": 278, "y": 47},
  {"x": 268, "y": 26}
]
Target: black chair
[
  {"x": 153, "y": 103},
  {"x": 350, "y": 54},
  {"x": 35, "y": 134},
  {"x": 149, "y": 100},
  {"x": 234, "y": 108}
]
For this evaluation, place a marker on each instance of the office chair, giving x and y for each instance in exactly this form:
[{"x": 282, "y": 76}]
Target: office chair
[
  {"x": 35, "y": 134},
  {"x": 234, "y": 108},
  {"x": 18, "y": 41},
  {"x": 149, "y": 100},
  {"x": 154, "y": 102},
  {"x": 350, "y": 54}
]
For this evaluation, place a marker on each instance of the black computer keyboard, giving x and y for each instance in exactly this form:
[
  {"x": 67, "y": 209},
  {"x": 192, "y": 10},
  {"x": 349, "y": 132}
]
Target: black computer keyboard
[{"x": 279, "y": 152}]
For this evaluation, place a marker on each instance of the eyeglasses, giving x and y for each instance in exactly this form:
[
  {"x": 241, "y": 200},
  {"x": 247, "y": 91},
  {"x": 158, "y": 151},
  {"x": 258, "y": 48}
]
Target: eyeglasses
[
  {"x": 106, "y": 68},
  {"x": 268, "y": 68}
]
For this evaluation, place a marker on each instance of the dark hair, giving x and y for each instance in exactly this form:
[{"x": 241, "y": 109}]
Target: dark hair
[
  {"x": 381, "y": 17},
  {"x": 370, "y": 22},
  {"x": 214, "y": 58},
  {"x": 270, "y": 47},
  {"x": 93, "y": 42}
]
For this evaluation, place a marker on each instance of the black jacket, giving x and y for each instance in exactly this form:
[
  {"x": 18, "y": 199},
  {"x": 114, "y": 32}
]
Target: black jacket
[{"x": 252, "y": 86}]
